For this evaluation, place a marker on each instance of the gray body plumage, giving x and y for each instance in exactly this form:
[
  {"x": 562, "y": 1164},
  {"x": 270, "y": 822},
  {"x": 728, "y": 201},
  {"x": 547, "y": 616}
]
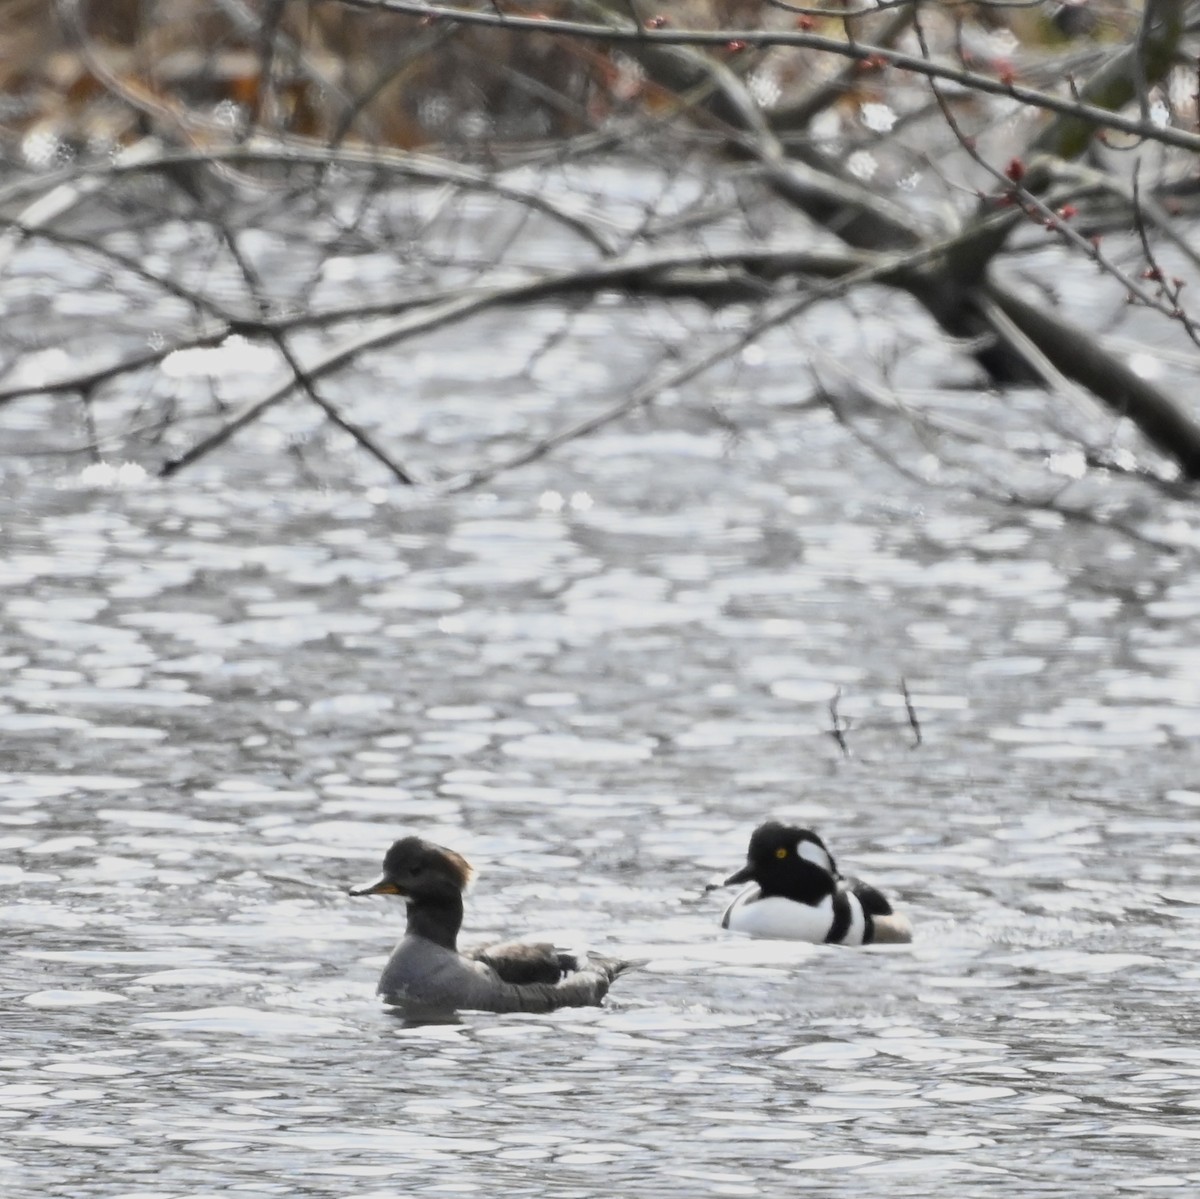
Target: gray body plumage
[
  {"x": 426, "y": 973},
  {"x": 422, "y": 975}
]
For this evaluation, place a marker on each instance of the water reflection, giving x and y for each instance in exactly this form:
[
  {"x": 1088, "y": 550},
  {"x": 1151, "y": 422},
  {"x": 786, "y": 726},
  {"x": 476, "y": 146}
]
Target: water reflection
[{"x": 218, "y": 704}]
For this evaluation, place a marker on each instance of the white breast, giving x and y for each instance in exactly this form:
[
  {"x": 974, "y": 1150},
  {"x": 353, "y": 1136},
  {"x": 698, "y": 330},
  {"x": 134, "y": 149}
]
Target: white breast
[
  {"x": 788, "y": 920},
  {"x": 858, "y": 922},
  {"x": 781, "y": 919}
]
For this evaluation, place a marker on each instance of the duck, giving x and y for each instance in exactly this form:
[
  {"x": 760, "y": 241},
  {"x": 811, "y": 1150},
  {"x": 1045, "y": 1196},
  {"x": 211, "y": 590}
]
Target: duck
[
  {"x": 795, "y": 892},
  {"x": 427, "y": 973}
]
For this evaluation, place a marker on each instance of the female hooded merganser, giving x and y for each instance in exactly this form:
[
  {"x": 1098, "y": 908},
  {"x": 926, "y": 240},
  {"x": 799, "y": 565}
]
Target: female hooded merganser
[
  {"x": 797, "y": 894},
  {"x": 426, "y": 973}
]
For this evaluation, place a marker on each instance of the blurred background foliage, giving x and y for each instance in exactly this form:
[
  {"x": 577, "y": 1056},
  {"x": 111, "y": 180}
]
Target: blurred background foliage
[{"x": 83, "y": 76}]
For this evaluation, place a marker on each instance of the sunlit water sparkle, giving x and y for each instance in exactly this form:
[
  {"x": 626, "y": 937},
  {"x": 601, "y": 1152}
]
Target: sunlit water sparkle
[{"x": 220, "y": 703}]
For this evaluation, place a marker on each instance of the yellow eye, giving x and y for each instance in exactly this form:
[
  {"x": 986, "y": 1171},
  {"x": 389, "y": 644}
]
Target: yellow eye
[{"x": 781, "y": 853}]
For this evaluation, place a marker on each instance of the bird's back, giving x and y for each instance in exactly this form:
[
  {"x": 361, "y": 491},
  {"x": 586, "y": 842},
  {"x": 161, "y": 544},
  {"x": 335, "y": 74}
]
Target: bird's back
[{"x": 422, "y": 975}]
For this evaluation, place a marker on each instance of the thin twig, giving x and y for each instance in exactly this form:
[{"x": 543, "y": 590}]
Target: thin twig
[
  {"x": 759, "y": 38},
  {"x": 913, "y": 722},
  {"x": 303, "y": 379},
  {"x": 837, "y": 729}
]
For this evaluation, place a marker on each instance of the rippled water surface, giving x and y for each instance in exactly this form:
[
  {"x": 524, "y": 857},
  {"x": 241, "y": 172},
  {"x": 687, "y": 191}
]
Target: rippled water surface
[{"x": 219, "y": 704}]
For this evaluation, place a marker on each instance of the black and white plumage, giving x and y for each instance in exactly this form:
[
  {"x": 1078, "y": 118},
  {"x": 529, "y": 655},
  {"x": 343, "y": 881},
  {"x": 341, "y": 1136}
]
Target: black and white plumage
[
  {"x": 795, "y": 892},
  {"x": 427, "y": 974}
]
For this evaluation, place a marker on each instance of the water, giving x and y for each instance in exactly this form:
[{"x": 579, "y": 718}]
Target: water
[
  {"x": 220, "y": 703},
  {"x": 216, "y": 722}
]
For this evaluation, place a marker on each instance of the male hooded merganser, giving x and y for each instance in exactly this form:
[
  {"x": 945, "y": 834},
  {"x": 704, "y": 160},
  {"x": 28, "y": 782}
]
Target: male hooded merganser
[
  {"x": 796, "y": 893},
  {"x": 426, "y": 972}
]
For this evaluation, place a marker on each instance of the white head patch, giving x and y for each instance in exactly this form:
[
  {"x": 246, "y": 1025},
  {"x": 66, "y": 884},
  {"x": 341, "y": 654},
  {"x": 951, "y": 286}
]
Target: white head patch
[{"x": 810, "y": 851}]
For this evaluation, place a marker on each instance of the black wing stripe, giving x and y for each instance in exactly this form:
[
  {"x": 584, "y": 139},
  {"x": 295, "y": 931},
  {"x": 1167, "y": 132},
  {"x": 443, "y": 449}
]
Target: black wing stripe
[{"x": 841, "y": 918}]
